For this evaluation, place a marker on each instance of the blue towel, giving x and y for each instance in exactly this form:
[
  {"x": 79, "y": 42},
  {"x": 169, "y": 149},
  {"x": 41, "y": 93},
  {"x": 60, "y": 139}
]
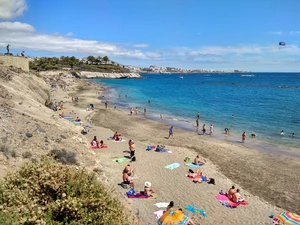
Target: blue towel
[
  {"x": 194, "y": 210},
  {"x": 193, "y": 165},
  {"x": 191, "y": 208},
  {"x": 172, "y": 166}
]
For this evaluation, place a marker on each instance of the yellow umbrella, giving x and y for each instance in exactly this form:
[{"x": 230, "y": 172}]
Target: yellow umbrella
[{"x": 173, "y": 218}]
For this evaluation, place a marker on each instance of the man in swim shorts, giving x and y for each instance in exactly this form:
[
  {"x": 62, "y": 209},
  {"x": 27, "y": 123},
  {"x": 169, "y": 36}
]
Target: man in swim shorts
[
  {"x": 127, "y": 180},
  {"x": 171, "y": 132}
]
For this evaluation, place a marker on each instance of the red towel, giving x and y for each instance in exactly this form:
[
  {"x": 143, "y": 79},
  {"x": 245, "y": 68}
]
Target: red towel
[{"x": 138, "y": 195}]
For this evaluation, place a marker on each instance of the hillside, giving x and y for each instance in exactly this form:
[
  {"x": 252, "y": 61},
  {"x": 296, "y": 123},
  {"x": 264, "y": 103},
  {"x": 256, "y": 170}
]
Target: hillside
[{"x": 31, "y": 131}]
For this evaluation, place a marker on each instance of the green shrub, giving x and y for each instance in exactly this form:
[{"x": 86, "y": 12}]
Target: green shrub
[{"x": 52, "y": 193}]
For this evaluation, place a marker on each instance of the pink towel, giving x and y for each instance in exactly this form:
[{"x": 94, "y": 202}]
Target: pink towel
[
  {"x": 138, "y": 195},
  {"x": 224, "y": 198},
  {"x": 159, "y": 213}
]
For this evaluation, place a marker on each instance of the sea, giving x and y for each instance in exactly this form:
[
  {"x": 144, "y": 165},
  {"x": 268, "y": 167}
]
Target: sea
[{"x": 260, "y": 103}]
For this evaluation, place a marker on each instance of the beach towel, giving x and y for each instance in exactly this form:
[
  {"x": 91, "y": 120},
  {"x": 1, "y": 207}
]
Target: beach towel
[
  {"x": 194, "y": 210},
  {"x": 163, "y": 150},
  {"x": 172, "y": 166},
  {"x": 228, "y": 203},
  {"x": 150, "y": 147},
  {"x": 120, "y": 160},
  {"x": 192, "y": 165},
  {"x": 137, "y": 195},
  {"x": 119, "y": 140},
  {"x": 159, "y": 213},
  {"x": 77, "y": 123},
  {"x": 68, "y": 117},
  {"x": 104, "y": 146},
  {"x": 162, "y": 204}
]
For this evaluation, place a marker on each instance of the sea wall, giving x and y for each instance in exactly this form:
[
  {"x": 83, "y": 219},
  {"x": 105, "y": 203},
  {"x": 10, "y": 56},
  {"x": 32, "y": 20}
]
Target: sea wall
[{"x": 16, "y": 61}]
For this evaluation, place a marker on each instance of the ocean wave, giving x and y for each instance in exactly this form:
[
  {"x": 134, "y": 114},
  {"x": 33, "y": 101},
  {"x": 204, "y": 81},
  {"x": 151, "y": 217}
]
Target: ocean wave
[{"x": 247, "y": 75}]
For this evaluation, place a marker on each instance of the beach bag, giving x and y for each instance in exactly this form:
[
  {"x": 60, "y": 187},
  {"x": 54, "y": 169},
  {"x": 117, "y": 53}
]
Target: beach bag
[
  {"x": 131, "y": 192},
  {"x": 133, "y": 159},
  {"x": 211, "y": 181},
  {"x": 187, "y": 159},
  {"x": 125, "y": 186}
]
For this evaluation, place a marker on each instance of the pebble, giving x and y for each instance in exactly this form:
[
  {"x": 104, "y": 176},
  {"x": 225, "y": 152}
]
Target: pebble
[{"x": 28, "y": 135}]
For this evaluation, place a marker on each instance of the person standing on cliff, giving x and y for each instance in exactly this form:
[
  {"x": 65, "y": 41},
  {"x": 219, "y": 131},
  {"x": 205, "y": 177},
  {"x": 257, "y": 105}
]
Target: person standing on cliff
[
  {"x": 23, "y": 53},
  {"x": 7, "y": 48}
]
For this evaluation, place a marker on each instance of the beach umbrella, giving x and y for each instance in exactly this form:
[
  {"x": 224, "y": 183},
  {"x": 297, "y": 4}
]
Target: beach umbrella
[
  {"x": 173, "y": 218},
  {"x": 288, "y": 218}
]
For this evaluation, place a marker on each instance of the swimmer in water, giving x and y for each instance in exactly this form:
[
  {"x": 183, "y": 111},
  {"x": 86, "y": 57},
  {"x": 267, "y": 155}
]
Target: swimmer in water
[{"x": 282, "y": 132}]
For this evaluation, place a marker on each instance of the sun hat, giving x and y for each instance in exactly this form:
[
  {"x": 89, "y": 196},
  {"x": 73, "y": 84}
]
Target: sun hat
[{"x": 147, "y": 184}]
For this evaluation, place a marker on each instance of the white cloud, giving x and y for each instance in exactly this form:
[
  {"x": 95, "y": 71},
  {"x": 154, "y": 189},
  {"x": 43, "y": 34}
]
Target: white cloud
[
  {"x": 23, "y": 36},
  {"x": 242, "y": 50},
  {"x": 69, "y": 34},
  {"x": 294, "y": 32},
  {"x": 140, "y": 45},
  {"x": 276, "y": 32},
  {"x": 16, "y": 27},
  {"x": 10, "y": 9}
]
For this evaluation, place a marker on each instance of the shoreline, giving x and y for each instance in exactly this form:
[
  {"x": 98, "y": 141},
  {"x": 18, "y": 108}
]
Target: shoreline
[
  {"x": 258, "y": 144},
  {"x": 239, "y": 164}
]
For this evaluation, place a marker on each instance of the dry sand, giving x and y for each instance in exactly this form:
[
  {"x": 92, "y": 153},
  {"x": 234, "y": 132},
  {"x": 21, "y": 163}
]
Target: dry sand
[{"x": 262, "y": 177}]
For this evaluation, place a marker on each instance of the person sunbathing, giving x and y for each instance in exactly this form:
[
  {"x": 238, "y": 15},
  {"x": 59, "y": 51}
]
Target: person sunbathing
[
  {"x": 117, "y": 137},
  {"x": 61, "y": 114},
  {"x": 197, "y": 161},
  {"x": 197, "y": 174},
  {"x": 95, "y": 142},
  {"x": 129, "y": 169},
  {"x": 127, "y": 179},
  {"x": 237, "y": 197},
  {"x": 101, "y": 144},
  {"x": 231, "y": 192},
  {"x": 148, "y": 190},
  {"x": 77, "y": 119},
  {"x": 83, "y": 130}
]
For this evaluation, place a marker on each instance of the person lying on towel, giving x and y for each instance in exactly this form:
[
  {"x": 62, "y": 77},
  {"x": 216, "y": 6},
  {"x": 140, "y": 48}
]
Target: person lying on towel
[{"x": 77, "y": 119}]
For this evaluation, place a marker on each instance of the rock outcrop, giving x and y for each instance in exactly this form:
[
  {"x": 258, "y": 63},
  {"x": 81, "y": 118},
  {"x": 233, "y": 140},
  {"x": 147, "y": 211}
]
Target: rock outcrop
[{"x": 89, "y": 74}]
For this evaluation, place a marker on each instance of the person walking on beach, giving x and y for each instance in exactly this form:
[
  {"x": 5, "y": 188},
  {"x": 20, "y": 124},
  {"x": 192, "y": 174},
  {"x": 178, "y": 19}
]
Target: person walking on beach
[
  {"x": 171, "y": 132},
  {"x": 211, "y": 129},
  {"x": 131, "y": 111},
  {"x": 244, "y": 137},
  {"x": 136, "y": 111},
  {"x": 145, "y": 111},
  {"x": 203, "y": 129},
  {"x": 106, "y": 105},
  {"x": 161, "y": 116},
  {"x": 132, "y": 150},
  {"x": 198, "y": 115}
]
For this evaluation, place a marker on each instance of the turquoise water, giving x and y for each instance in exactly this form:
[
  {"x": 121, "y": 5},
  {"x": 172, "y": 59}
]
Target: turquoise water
[{"x": 264, "y": 103}]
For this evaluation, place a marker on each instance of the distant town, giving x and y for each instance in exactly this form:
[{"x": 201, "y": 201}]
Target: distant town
[
  {"x": 169, "y": 70},
  {"x": 104, "y": 64}
]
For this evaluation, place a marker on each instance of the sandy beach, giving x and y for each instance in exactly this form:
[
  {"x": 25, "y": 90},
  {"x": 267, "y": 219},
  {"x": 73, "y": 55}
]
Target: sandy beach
[{"x": 267, "y": 182}]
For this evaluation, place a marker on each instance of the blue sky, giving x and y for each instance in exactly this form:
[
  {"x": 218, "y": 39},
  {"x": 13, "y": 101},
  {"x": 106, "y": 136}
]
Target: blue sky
[{"x": 219, "y": 34}]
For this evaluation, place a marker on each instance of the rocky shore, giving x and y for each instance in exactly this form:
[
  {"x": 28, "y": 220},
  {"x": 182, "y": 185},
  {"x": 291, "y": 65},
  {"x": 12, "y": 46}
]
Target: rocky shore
[{"x": 89, "y": 74}]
